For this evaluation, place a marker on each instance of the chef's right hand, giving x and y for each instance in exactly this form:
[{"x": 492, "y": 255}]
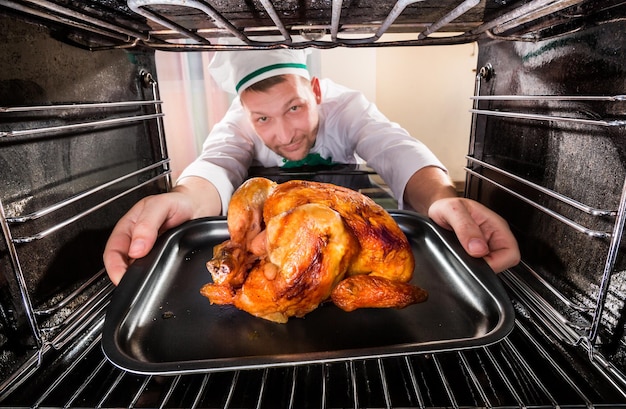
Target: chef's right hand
[{"x": 136, "y": 232}]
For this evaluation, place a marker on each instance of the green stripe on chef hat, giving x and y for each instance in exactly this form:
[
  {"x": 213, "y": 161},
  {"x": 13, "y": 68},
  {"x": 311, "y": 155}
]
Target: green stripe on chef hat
[
  {"x": 235, "y": 71},
  {"x": 263, "y": 70}
]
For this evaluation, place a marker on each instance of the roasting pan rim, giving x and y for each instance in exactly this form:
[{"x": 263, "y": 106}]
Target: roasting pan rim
[{"x": 124, "y": 343}]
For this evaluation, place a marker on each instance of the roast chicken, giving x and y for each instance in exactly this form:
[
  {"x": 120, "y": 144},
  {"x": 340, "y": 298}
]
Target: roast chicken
[{"x": 297, "y": 244}]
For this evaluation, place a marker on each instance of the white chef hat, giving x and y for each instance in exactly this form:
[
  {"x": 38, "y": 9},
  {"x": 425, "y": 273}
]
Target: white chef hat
[{"x": 235, "y": 71}]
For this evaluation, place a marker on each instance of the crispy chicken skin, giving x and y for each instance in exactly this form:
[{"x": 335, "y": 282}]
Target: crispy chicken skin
[
  {"x": 294, "y": 244},
  {"x": 312, "y": 248},
  {"x": 385, "y": 251},
  {"x": 245, "y": 222}
]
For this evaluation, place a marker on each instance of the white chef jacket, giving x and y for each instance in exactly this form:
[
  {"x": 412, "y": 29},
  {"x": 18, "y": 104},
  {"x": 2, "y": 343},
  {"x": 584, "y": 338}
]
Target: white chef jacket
[{"x": 350, "y": 125}]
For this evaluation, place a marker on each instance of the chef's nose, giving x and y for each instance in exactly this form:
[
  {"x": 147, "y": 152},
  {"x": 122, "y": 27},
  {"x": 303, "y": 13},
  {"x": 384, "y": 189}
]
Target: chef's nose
[{"x": 284, "y": 132}]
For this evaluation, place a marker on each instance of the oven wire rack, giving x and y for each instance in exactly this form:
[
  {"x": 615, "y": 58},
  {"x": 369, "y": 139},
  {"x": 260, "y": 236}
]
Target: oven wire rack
[
  {"x": 570, "y": 332},
  {"x": 58, "y": 332},
  {"x": 184, "y": 28}
]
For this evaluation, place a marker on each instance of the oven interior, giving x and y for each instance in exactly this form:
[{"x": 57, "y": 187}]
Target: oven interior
[{"x": 81, "y": 140}]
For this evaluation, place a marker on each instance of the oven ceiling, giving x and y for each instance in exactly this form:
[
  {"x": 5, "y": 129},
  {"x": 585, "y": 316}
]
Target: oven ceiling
[{"x": 182, "y": 25}]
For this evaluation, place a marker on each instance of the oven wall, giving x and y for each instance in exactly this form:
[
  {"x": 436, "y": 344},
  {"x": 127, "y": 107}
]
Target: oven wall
[
  {"x": 41, "y": 66},
  {"x": 583, "y": 162}
]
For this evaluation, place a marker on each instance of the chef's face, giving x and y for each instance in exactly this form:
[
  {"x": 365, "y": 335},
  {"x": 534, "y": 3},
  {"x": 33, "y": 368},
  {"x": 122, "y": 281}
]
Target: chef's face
[{"x": 285, "y": 115}]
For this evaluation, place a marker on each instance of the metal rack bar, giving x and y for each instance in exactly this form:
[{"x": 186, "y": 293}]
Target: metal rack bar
[
  {"x": 529, "y": 370},
  {"x": 142, "y": 388},
  {"x": 84, "y": 125},
  {"x": 606, "y": 98},
  {"x": 458, "y": 11},
  {"x": 569, "y": 303},
  {"x": 528, "y": 12},
  {"x": 472, "y": 376},
  {"x": 292, "y": 389},
  {"x": 547, "y": 358},
  {"x": 149, "y": 79},
  {"x": 94, "y": 105},
  {"x": 231, "y": 390},
  {"x": 548, "y": 192},
  {"x": 413, "y": 378},
  {"x": 353, "y": 384},
  {"x": 78, "y": 20},
  {"x": 70, "y": 297},
  {"x": 111, "y": 388},
  {"x": 543, "y": 311},
  {"x": 44, "y": 233},
  {"x": 609, "y": 265},
  {"x": 503, "y": 377},
  {"x": 521, "y": 115},
  {"x": 61, "y": 204},
  {"x": 58, "y": 380},
  {"x": 383, "y": 380},
  {"x": 555, "y": 215},
  {"x": 445, "y": 383},
  {"x": 139, "y": 7},
  {"x": 170, "y": 391},
  {"x": 271, "y": 11},
  {"x": 19, "y": 278},
  {"x": 200, "y": 392},
  {"x": 86, "y": 382},
  {"x": 81, "y": 319},
  {"x": 262, "y": 389},
  {"x": 335, "y": 19}
]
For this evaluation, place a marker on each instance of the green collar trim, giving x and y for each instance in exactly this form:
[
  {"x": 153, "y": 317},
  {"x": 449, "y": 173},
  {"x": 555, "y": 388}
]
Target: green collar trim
[{"x": 312, "y": 159}]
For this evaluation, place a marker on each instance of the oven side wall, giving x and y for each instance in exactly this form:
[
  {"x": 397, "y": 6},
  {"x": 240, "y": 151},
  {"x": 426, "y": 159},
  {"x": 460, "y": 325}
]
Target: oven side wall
[
  {"x": 40, "y": 67},
  {"x": 581, "y": 161}
]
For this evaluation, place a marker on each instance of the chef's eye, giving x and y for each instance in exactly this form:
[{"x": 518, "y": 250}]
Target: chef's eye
[
  {"x": 294, "y": 108},
  {"x": 262, "y": 119}
]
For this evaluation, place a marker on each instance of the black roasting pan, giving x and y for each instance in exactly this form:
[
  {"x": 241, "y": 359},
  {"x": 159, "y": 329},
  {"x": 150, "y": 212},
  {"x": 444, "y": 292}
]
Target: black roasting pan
[{"x": 158, "y": 323}]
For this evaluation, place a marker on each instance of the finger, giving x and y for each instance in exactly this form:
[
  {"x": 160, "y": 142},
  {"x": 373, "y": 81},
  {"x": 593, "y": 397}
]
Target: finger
[
  {"x": 454, "y": 215},
  {"x": 503, "y": 250},
  {"x": 132, "y": 237},
  {"x": 115, "y": 257}
]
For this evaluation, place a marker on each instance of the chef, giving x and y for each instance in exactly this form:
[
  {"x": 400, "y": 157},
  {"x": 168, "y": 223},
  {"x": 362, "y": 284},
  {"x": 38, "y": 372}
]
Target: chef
[{"x": 282, "y": 116}]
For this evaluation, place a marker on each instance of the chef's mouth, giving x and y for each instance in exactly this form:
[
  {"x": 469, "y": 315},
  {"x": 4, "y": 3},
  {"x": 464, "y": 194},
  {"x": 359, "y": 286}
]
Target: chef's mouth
[{"x": 293, "y": 148}]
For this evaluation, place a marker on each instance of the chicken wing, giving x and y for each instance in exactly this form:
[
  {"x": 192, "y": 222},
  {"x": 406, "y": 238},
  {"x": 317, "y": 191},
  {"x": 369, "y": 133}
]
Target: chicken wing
[{"x": 363, "y": 291}]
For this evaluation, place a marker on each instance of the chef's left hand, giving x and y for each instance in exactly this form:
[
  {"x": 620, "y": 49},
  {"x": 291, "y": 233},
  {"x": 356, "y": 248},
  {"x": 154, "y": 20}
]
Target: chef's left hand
[{"x": 481, "y": 231}]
